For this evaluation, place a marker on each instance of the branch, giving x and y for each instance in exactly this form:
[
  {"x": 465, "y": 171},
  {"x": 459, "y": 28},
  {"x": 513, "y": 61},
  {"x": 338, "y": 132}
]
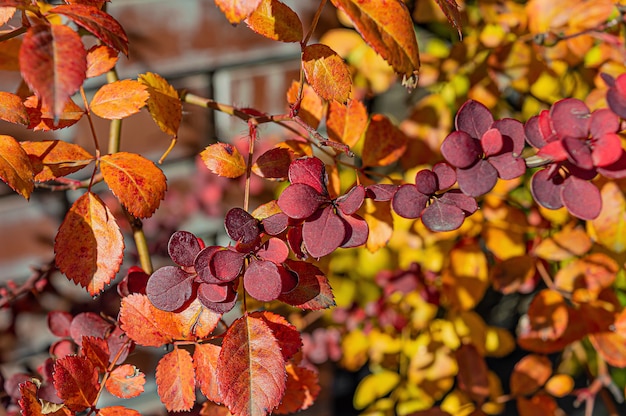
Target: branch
[{"x": 31, "y": 284}]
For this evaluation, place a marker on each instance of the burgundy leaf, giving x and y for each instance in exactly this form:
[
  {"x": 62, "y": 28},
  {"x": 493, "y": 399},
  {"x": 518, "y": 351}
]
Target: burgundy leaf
[
  {"x": 426, "y": 182},
  {"x": 294, "y": 238},
  {"x": 323, "y": 232},
  {"x": 274, "y": 164},
  {"x": 183, "y": 248},
  {"x": 508, "y": 167},
  {"x": 357, "y": 231},
  {"x": 616, "y": 96},
  {"x": 474, "y": 119},
  {"x": 513, "y": 129},
  {"x": 274, "y": 250},
  {"x": 533, "y": 133},
  {"x": 615, "y": 170},
  {"x": 578, "y": 153},
  {"x": 460, "y": 200},
  {"x": 59, "y": 323},
  {"x": 89, "y": 324},
  {"x": 380, "y": 192},
  {"x": 226, "y": 264},
  {"x": 262, "y": 280},
  {"x": 607, "y": 149},
  {"x": 241, "y": 226},
  {"x": 309, "y": 171},
  {"x": 442, "y": 217},
  {"x": 275, "y": 224},
  {"x": 408, "y": 202},
  {"x": 300, "y": 201},
  {"x": 582, "y": 198},
  {"x": 492, "y": 142},
  {"x": 477, "y": 180},
  {"x": 289, "y": 279},
  {"x": 214, "y": 293},
  {"x": 169, "y": 288},
  {"x": 570, "y": 118},
  {"x": 446, "y": 175},
  {"x": 461, "y": 150},
  {"x": 217, "y": 307},
  {"x": 603, "y": 121},
  {"x": 352, "y": 200},
  {"x": 313, "y": 291},
  {"x": 546, "y": 189},
  {"x": 201, "y": 264}
]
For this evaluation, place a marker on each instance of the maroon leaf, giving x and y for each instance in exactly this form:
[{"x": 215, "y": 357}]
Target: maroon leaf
[
  {"x": 574, "y": 191},
  {"x": 323, "y": 232},
  {"x": 202, "y": 264},
  {"x": 313, "y": 291},
  {"x": 426, "y": 182},
  {"x": 275, "y": 224},
  {"x": 59, "y": 323},
  {"x": 357, "y": 231},
  {"x": 570, "y": 118},
  {"x": 226, "y": 264},
  {"x": 446, "y": 175},
  {"x": 300, "y": 200},
  {"x": 352, "y": 200},
  {"x": 169, "y": 288},
  {"x": 616, "y": 95},
  {"x": 408, "y": 202},
  {"x": 241, "y": 226},
  {"x": 546, "y": 189},
  {"x": 274, "y": 250},
  {"x": 474, "y": 119},
  {"x": 477, "y": 180},
  {"x": 508, "y": 167},
  {"x": 460, "y": 149},
  {"x": 309, "y": 171},
  {"x": 89, "y": 324},
  {"x": 492, "y": 142},
  {"x": 381, "y": 192},
  {"x": 262, "y": 280},
  {"x": 219, "y": 307},
  {"x": 578, "y": 153},
  {"x": 514, "y": 130},
  {"x": 215, "y": 293},
  {"x": 274, "y": 164},
  {"x": 459, "y": 199},
  {"x": 183, "y": 248},
  {"x": 439, "y": 216}
]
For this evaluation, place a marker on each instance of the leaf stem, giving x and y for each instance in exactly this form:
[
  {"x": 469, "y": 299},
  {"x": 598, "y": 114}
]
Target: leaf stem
[
  {"x": 316, "y": 19},
  {"x": 14, "y": 33},
  {"x": 252, "y": 136}
]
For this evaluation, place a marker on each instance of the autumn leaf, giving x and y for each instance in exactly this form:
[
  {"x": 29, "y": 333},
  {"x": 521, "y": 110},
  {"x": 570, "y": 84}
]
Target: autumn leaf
[
  {"x": 287, "y": 336},
  {"x": 387, "y": 27},
  {"x": 374, "y": 386},
  {"x": 301, "y": 391},
  {"x": 117, "y": 411},
  {"x": 9, "y": 54},
  {"x": 164, "y": 104},
  {"x": 384, "y": 143},
  {"x": 119, "y": 99},
  {"x": 6, "y": 13},
  {"x": 251, "y": 369},
  {"x": 313, "y": 291},
  {"x": 473, "y": 373},
  {"x": 275, "y": 20},
  {"x": 606, "y": 228},
  {"x": 195, "y": 322},
  {"x": 237, "y": 10},
  {"x": 311, "y": 108},
  {"x": 136, "y": 181},
  {"x": 53, "y": 62},
  {"x": 224, "y": 159},
  {"x": 125, "y": 381},
  {"x": 327, "y": 73},
  {"x": 176, "y": 381},
  {"x": 380, "y": 223},
  {"x": 89, "y": 246},
  {"x": 12, "y": 109},
  {"x": 145, "y": 324},
  {"x": 31, "y": 405},
  {"x": 76, "y": 382},
  {"x": 466, "y": 280},
  {"x": 96, "y": 350},
  {"x": 346, "y": 123},
  {"x": 451, "y": 10},
  {"x": 100, "y": 60},
  {"x": 274, "y": 164},
  {"x": 42, "y": 118},
  {"x": 205, "y": 358},
  {"x": 15, "y": 167},
  {"x": 529, "y": 374},
  {"x": 52, "y": 159},
  {"x": 98, "y": 23}
]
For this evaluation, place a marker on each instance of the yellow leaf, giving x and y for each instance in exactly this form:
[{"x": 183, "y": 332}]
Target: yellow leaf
[
  {"x": 224, "y": 159},
  {"x": 164, "y": 104},
  {"x": 380, "y": 223},
  {"x": 609, "y": 228},
  {"x": 466, "y": 279},
  {"x": 560, "y": 385},
  {"x": 354, "y": 346},
  {"x": 119, "y": 99},
  {"x": 15, "y": 167},
  {"x": 375, "y": 386},
  {"x": 327, "y": 73},
  {"x": 457, "y": 403}
]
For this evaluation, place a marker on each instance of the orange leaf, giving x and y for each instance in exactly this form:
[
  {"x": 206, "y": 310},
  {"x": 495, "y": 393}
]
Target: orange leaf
[
  {"x": 53, "y": 159},
  {"x": 237, "y": 10},
  {"x": 89, "y": 246},
  {"x": 548, "y": 314},
  {"x": 607, "y": 228},
  {"x": 564, "y": 245},
  {"x": 100, "y": 60},
  {"x": 346, "y": 123},
  {"x": 195, "y": 322},
  {"x": 76, "y": 382},
  {"x": 387, "y": 27},
  {"x": 251, "y": 369},
  {"x": 126, "y": 381},
  {"x": 513, "y": 275},
  {"x": 384, "y": 143},
  {"x": 12, "y": 109},
  {"x": 275, "y": 20},
  {"x": 380, "y": 223},
  {"x": 560, "y": 385},
  {"x": 98, "y": 23},
  {"x": 41, "y": 117},
  {"x": 311, "y": 107},
  {"x": 538, "y": 405},
  {"x": 15, "y": 167},
  {"x": 451, "y": 10},
  {"x": 473, "y": 373},
  {"x": 176, "y": 381},
  {"x": 9, "y": 54},
  {"x": 136, "y": 181},
  {"x": 164, "y": 104},
  {"x": 119, "y": 99},
  {"x": 287, "y": 336},
  {"x": 205, "y": 359},
  {"x": 145, "y": 324},
  {"x": 97, "y": 351},
  {"x": 327, "y": 73},
  {"x": 611, "y": 346},
  {"x": 44, "y": 57},
  {"x": 224, "y": 159},
  {"x": 301, "y": 391},
  {"x": 466, "y": 280},
  {"x": 593, "y": 272},
  {"x": 117, "y": 411},
  {"x": 6, "y": 13},
  {"x": 31, "y": 405},
  {"x": 529, "y": 374}
]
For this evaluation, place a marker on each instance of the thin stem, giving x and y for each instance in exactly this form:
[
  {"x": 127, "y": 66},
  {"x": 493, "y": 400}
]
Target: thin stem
[
  {"x": 14, "y": 33},
  {"x": 316, "y": 19},
  {"x": 140, "y": 242},
  {"x": 115, "y": 128},
  {"x": 251, "y": 139}
]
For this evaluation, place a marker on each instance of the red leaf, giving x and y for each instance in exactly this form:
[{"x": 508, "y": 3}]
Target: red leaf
[
  {"x": 346, "y": 123},
  {"x": 97, "y": 351},
  {"x": 384, "y": 143},
  {"x": 119, "y": 99},
  {"x": 89, "y": 246},
  {"x": 126, "y": 381},
  {"x": 53, "y": 62},
  {"x": 287, "y": 336},
  {"x": 42, "y": 118},
  {"x": 251, "y": 369},
  {"x": 31, "y": 405},
  {"x": 117, "y": 411},
  {"x": 274, "y": 164},
  {"x": 237, "y": 10},
  {"x": 100, "y": 24},
  {"x": 169, "y": 288},
  {"x": 100, "y": 60},
  {"x": 327, "y": 73},
  {"x": 89, "y": 324},
  {"x": 313, "y": 291},
  {"x": 224, "y": 159},
  {"x": 176, "y": 380},
  {"x": 164, "y": 103},
  {"x": 145, "y": 324},
  {"x": 323, "y": 232},
  {"x": 12, "y": 109},
  {"x": 276, "y": 21},
  {"x": 136, "y": 181},
  {"x": 300, "y": 201},
  {"x": 302, "y": 390},
  {"x": 52, "y": 159},
  {"x": 15, "y": 167},
  {"x": 59, "y": 323},
  {"x": 205, "y": 359},
  {"x": 76, "y": 382},
  {"x": 473, "y": 373},
  {"x": 262, "y": 280}
]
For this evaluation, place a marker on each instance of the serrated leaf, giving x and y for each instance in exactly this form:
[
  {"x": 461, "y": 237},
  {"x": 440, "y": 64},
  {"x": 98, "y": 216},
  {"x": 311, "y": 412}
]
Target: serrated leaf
[
  {"x": 311, "y": 106},
  {"x": 313, "y": 291},
  {"x": 346, "y": 123},
  {"x": 251, "y": 369},
  {"x": 52, "y": 159},
  {"x": 97, "y": 351},
  {"x": 164, "y": 104},
  {"x": 145, "y": 324},
  {"x": 9, "y": 54},
  {"x": 126, "y": 381},
  {"x": 15, "y": 167},
  {"x": 119, "y": 99},
  {"x": 41, "y": 116},
  {"x": 89, "y": 246},
  {"x": 44, "y": 56},
  {"x": 237, "y": 10},
  {"x": 287, "y": 336},
  {"x": 98, "y": 23},
  {"x": 275, "y": 20},
  {"x": 451, "y": 10},
  {"x": 31, "y": 405},
  {"x": 100, "y": 60},
  {"x": 205, "y": 357},
  {"x": 117, "y": 411},
  {"x": 76, "y": 382},
  {"x": 387, "y": 27},
  {"x": 327, "y": 73},
  {"x": 224, "y": 159},
  {"x": 6, "y": 13},
  {"x": 12, "y": 109},
  {"x": 384, "y": 142},
  {"x": 176, "y": 380},
  {"x": 302, "y": 390},
  {"x": 136, "y": 181}
]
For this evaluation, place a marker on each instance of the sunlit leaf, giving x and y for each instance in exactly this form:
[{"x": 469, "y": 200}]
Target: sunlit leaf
[
  {"x": 53, "y": 159},
  {"x": 100, "y": 60},
  {"x": 327, "y": 73},
  {"x": 313, "y": 291},
  {"x": 224, "y": 159},
  {"x": 593, "y": 272},
  {"x": 164, "y": 104},
  {"x": 564, "y": 244},
  {"x": 375, "y": 386},
  {"x": 465, "y": 281},
  {"x": 301, "y": 391},
  {"x": 451, "y": 9},
  {"x": 15, "y": 167},
  {"x": 136, "y": 181},
  {"x": 346, "y": 123},
  {"x": 380, "y": 223},
  {"x": 237, "y": 10},
  {"x": 251, "y": 369},
  {"x": 44, "y": 56},
  {"x": 89, "y": 246},
  {"x": 275, "y": 20},
  {"x": 384, "y": 143},
  {"x": 607, "y": 228},
  {"x": 145, "y": 324},
  {"x": 176, "y": 380},
  {"x": 126, "y": 381},
  {"x": 311, "y": 105},
  {"x": 529, "y": 374},
  {"x": 12, "y": 109},
  {"x": 119, "y": 99},
  {"x": 117, "y": 411},
  {"x": 97, "y": 351},
  {"x": 205, "y": 358},
  {"x": 76, "y": 382},
  {"x": 560, "y": 385},
  {"x": 274, "y": 164},
  {"x": 611, "y": 346},
  {"x": 42, "y": 118}
]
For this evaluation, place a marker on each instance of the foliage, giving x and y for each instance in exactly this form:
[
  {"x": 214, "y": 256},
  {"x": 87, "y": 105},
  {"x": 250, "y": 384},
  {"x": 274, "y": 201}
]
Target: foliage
[{"x": 525, "y": 198}]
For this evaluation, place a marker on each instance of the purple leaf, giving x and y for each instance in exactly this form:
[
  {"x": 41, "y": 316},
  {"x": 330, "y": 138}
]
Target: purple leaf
[
  {"x": 513, "y": 129},
  {"x": 226, "y": 264},
  {"x": 262, "y": 280},
  {"x": 357, "y": 231},
  {"x": 408, "y": 202},
  {"x": 352, "y": 200},
  {"x": 169, "y": 288},
  {"x": 217, "y": 307},
  {"x": 300, "y": 201},
  {"x": 615, "y": 170},
  {"x": 603, "y": 121},
  {"x": 214, "y": 293},
  {"x": 380, "y": 192},
  {"x": 570, "y": 118},
  {"x": 461, "y": 150},
  {"x": 578, "y": 153},
  {"x": 426, "y": 182},
  {"x": 313, "y": 291},
  {"x": 241, "y": 226},
  {"x": 508, "y": 167},
  {"x": 274, "y": 250},
  {"x": 474, "y": 119},
  {"x": 446, "y": 175},
  {"x": 309, "y": 171},
  {"x": 275, "y": 224},
  {"x": 477, "y": 180},
  {"x": 442, "y": 217},
  {"x": 582, "y": 198},
  {"x": 183, "y": 247},
  {"x": 546, "y": 189},
  {"x": 201, "y": 264},
  {"x": 323, "y": 232},
  {"x": 457, "y": 198}
]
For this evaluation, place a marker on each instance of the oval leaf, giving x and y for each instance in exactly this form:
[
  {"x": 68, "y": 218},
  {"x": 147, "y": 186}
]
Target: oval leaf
[
  {"x": 164, "y": 104},
  {"x": 76, "y": 382},
  {"x": 136, "y": 181},
  {"x": 52, "y": 159},
  {"x": 276, "y": 21},
  {"x": 119, "y": 99},
  {"x": 327, "y": 73},
  {"x": 126, "y": 381},
  {"x": 176, "y": 380},
  {"x": 89, "y": 246},
  {"x": 100, "y": 60},
  {"x": 12, "y": 109},
  {"x": 313, "y": 291},
  {"x": 384, "y": 142},
  {"x": 224, "y": 159},
  {"x": 205, "y": 358},
  {"x": 237, "y": 10},
  {"x": 15, "y": 167}
]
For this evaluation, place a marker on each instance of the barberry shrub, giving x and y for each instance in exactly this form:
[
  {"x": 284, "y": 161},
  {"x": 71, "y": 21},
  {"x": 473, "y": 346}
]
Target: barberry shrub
[{"x": 387, "y": 244}]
